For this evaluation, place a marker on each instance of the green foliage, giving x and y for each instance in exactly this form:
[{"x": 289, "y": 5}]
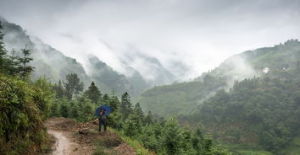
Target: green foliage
[
  {"x": 59, "y": 90},
  {"x": 140, "y": 149},
  {"x": 149, "y": 118},
  {"x": 138, "y": 111},
  {"x": 3, "y": 53},
  {"x": 179, "y": 98},
  {"x": 73, "y": 85},
  {"x": 21, "y": 116},
  {"x": 64, "y": 109},
  {"x": 24, "y": 69},
  {"x": 264, "y": 111},
  {"x": 43, "y": 96},
  {"x": 125, "y": 107},
  {"x": 54, "y": 111},
  {"x": 14, "y": 65},
  {"x": 24, "y": 105},
  {"x": 160, "y": 136},
  {"x": 183, "y": 98},
  {"x": 93, "y": 93}
]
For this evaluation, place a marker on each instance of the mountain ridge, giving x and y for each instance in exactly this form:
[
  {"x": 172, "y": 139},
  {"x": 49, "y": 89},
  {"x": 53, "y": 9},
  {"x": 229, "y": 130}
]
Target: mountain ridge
[
  {"x": 186, "y": 96},
  {"x": 54, "y": 65}
]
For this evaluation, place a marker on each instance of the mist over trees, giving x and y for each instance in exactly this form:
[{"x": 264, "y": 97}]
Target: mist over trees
[
  {"x": 26, "y": 103},
  {"x": 52, "y": 64},
  {"x": 248, "y": 104}
]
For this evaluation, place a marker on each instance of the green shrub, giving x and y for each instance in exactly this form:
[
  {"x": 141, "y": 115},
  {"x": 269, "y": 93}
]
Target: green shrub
[{"x": 21, "y": 117}]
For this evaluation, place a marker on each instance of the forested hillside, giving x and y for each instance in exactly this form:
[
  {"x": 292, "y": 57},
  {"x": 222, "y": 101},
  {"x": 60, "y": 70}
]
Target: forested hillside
[
  {"x": 23, "y": 104},
  {"x": 26, "y": 103},
  {"x": 182, "y": 98},
  {"x": 259, "y": 112},
  {"x": 52, "y": 64}
]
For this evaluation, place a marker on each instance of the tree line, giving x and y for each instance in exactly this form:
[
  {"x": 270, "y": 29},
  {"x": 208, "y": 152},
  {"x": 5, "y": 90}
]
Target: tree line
[{"x": 157, "y": 134}]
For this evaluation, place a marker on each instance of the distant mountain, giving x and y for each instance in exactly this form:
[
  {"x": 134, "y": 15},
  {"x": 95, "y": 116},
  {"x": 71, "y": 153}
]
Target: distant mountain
[
  {"x": 258, "y": 114},
  {"x": 150, "y": 68},
  {"x": 183, "y": 98},
  {"x": 54, "y": 65},
  {"x": 114, "y": 81},
  {"x": 47, "y": 61}
]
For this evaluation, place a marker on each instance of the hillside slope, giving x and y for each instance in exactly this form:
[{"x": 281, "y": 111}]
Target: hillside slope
[
  {"x": 262, "y": 112},
  {"x": 54, "y": 65},
  {"x": 182, "y": 98}
]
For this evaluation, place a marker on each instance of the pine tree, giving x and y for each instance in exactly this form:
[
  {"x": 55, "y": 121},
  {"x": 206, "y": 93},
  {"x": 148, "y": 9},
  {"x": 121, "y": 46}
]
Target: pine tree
[
  {"x": 173, "y": 139},
  {"x": 114, "y": 103},
  {"x": 133, "y": 125},
  {"x": 138, "y": 111},
  {"x": 3, "y": 52},
  {"x": 2, "y": 49},
  {"x": 149, "y": 118},
  {"x": 73, "y": 85},
  {"x": 59, "y": 90},
  {"x": 93, "y": 93},
  {"x": 24, "y": 69},
  {"x": 74, "y": 111},
  {"x": 126, "y": 107},
  {"x": 13, "y": 64},
  {"x": 54, "y": 110},
  {"x": 64, "y": 111},
  {"x": 105, "y": 97}
]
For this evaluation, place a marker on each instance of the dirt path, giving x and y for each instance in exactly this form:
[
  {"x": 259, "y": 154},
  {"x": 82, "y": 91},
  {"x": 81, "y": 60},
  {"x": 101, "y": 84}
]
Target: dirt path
[
  {"x": 63, "y": 131},
  {"x": 74, "y": 138},
  {"x": 62, "y": 144}
]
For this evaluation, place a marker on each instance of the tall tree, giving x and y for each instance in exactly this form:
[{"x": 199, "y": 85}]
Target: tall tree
[
  {"x": 73, "y": 85},
  {"x": 93, "y": 93},
  {"x": 24, "y": 69},
  {"x": 149, "y": 118},
  {"x": 138, "y": 111},
  {"x": 3, "y": 52},
  {"x": 59, "y": 89},
  {"x": 126, "y": 107},
  {"x": 8, "y": 64},
  {"x": 114, "y": 103}
]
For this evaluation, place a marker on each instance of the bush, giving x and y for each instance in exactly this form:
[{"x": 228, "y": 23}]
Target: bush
[{"x": 21, "y": 117}]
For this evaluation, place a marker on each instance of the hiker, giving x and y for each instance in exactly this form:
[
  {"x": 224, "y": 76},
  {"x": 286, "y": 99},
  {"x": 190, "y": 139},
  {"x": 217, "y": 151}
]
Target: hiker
[{"x": 102, "y": 120}]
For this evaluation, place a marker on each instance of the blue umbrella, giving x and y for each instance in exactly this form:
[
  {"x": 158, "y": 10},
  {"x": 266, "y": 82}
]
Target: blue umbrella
[{"x": 105, "y": 108}]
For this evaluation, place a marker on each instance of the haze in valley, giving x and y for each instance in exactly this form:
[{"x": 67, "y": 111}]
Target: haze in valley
[{"x": 187, "y": 37}]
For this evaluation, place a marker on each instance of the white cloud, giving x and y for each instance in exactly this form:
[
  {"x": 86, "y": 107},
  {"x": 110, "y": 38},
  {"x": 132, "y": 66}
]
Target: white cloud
[{"x": 200, "y": 34}]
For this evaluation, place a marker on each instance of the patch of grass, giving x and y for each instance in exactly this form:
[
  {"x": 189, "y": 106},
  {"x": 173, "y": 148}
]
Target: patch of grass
[
  {"x": 238, "y": 149},
  {"x": 293, "y": 148},
  {"x": 138, "y": 147},
  {"x": 99, "y": 150},
  {"x": 47, "y": 146},
  {"x": 251, "y": 152}
]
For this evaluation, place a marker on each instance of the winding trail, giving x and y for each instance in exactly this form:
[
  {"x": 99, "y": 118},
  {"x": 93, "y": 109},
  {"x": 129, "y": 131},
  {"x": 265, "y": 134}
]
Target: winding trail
[
  {"x": 62, "y": 144},
  {"x": 65, "y": 142}
]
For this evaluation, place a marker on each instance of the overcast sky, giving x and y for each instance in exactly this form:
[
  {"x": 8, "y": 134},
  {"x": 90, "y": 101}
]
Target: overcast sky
[{"x": 198, "y": 33}]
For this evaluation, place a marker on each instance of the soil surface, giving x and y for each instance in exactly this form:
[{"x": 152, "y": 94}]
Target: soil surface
[{"x": 74, "y": 138}]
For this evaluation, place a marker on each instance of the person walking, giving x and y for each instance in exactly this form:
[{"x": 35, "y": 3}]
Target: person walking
[{"x": 102, "y": 120}]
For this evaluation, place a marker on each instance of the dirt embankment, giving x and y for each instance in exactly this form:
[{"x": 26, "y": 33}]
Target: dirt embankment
[{"x": 74, "y": 138}]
